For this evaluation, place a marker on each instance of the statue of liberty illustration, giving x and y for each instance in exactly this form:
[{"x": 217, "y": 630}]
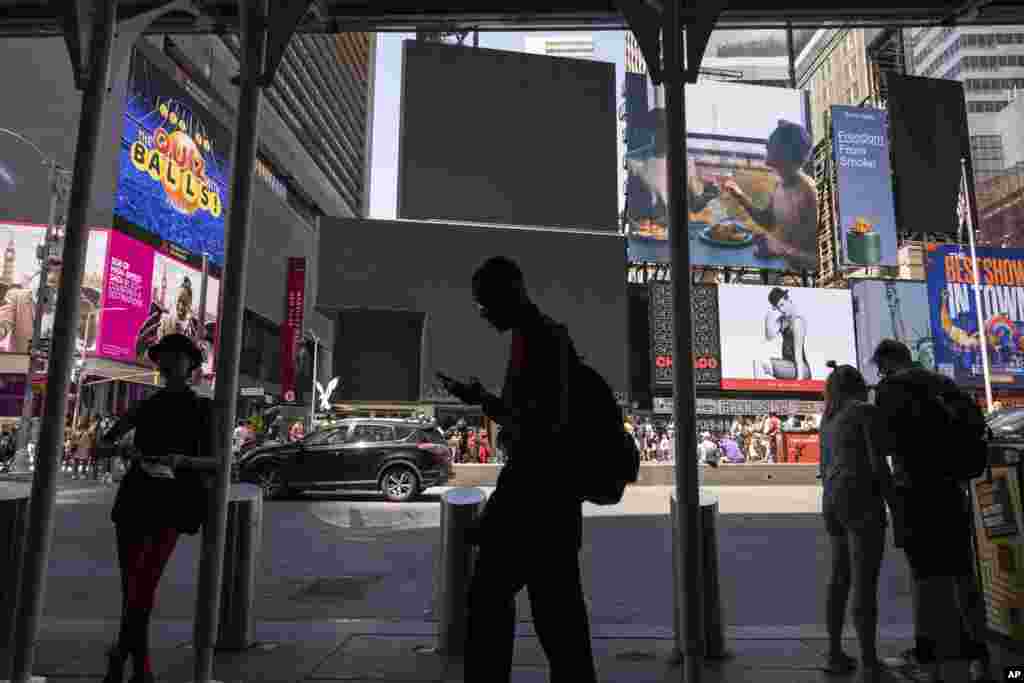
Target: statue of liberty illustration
[{"x": 919, "y": 341}]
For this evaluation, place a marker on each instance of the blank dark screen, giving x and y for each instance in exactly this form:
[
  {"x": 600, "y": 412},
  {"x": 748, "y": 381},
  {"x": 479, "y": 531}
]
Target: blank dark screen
[{"x": 509, "y": 138}]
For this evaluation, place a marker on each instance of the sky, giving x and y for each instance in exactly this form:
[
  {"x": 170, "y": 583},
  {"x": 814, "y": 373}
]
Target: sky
[{"x": 609, "y": 46}]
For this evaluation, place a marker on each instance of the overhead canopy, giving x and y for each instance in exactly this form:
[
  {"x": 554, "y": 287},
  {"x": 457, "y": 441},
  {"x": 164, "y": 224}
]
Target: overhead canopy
[{"x": 47, "y": 17}]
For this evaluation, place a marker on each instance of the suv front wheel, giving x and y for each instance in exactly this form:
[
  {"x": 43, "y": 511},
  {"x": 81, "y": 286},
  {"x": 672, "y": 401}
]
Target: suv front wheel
[
  {"x": 399, "y": 483},
  {"x": 272, "y": 484}
]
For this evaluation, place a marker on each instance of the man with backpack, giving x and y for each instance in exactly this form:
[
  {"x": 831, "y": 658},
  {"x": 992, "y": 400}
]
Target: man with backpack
[
  {"x": 936, "y": 439},
  {"x": 532, "y": 527}
]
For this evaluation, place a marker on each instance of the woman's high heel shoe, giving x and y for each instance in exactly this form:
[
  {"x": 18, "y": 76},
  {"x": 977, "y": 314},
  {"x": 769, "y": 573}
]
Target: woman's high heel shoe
[{"x": 115, "y": 666}]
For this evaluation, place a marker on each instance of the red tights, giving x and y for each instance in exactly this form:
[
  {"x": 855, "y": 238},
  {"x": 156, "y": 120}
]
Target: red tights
[{"x": 143, "y": 558}]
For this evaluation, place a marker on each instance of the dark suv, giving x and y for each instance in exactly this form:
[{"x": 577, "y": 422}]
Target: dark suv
[{"x": 399, "y": 458}]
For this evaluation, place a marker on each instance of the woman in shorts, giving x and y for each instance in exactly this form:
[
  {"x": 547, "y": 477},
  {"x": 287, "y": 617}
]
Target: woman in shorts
[{"x": 857, "y": 483}]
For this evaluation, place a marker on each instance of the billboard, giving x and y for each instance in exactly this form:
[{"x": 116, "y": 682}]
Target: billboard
[
  {"x": 148, "y": 294},
  {"x": 954, "y": 317},
  {"x": 535, "y": 145},
  {"x": 891, "y": 309},
  {"x": 173, "y": 174},
  {"x": 930, "y": 136},
  {"x": 867, "y": 215},
  {"x": 751, "y": 202},
  {"x": 707, "y": 356},
  {"x": 406, "y": 286},
  {"x": 779, "y": 339},
  {"x": 19, "y": 280}
]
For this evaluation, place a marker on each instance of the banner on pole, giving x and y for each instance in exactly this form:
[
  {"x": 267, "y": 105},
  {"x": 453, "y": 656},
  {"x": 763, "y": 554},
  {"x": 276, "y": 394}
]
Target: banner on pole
[{"x": 291, "y": 330}]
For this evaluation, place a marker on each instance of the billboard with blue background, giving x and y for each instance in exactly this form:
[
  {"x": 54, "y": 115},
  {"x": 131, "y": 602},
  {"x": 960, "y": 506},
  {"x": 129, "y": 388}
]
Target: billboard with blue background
[
  {"x": 867, "y": 214},
  {"x": 173, "y": 173},
  {"x": 954, "y": 318}
]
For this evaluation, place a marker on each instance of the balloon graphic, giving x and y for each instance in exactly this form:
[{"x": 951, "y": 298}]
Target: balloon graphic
[{"x": 999, "y": 328}]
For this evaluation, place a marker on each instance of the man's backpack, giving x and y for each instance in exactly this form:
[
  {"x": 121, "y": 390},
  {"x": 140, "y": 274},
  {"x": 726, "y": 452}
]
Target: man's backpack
[
  {"x": 609, "y": 456},
  {"x": 956, "y": 436},
  {"x": 964, "y": 433}
]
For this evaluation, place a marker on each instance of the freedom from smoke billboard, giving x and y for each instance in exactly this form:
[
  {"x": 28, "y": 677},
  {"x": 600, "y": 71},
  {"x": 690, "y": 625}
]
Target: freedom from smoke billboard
[
  {"x": 867, "y": 215},
  {"x": 751, "y": 204},
  {"x": 173, "y": 168},
  {"x": 954, "y": 314}
]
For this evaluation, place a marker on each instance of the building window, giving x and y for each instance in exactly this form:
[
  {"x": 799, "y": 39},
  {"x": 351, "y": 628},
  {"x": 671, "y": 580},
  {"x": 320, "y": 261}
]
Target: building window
[
  {"x": 261, "y": 349},
  {"x": 986, "y": 107}
]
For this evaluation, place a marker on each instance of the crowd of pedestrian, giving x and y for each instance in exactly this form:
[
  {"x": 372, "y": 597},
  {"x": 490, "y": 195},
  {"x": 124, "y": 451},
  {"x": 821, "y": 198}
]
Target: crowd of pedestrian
[{"x": 469, "y": 444}]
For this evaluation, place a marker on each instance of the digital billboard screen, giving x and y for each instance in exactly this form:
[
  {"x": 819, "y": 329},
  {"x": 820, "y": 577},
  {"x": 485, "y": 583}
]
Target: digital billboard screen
[
  {"x": 148, "y": 294},
  {"x": 954, "y": 314},
  {"x": 780, "y": 339},
  {"x": 751, "y": 202},
  {"x": 867, "y": 215},
  {"x": 509, "y": 138},
  {"x": 19, "y": 282},
  {"x": 891, "y": 309},
  {"x": 707, "y": 357},
  {"x": 173, "y": 175}
]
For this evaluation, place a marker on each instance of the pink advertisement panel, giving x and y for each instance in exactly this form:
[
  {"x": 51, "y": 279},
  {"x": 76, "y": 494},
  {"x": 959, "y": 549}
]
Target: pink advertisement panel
[{"x": 147, "y": 295}]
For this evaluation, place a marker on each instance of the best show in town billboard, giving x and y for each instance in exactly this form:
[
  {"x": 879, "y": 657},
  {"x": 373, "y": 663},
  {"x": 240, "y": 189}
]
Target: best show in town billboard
[
  {"x": 867, "y": 214},
  {"x": 954, "y": 316},
  {"x": 147, "y": 294},
  {"x": 780, "y": 339},
  {"x": 751, "y": 203},
  {"x": 173, "y": 167}
]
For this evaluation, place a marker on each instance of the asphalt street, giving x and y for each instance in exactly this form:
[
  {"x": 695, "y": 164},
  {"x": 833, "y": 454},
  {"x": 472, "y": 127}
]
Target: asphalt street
[{"x": 355, "y": 556}]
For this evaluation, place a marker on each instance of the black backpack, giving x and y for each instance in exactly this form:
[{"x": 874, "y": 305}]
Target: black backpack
[
  {"x": 609, "y": 454},
  {"x": 956, "y": 434}
]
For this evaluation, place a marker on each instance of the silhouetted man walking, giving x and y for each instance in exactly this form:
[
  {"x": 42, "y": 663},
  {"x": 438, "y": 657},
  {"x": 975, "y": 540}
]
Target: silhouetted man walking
[{"x": 531, "y": 531}]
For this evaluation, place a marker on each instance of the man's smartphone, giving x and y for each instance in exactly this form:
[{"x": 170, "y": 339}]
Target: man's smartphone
[{"x": 447, "y": 381}]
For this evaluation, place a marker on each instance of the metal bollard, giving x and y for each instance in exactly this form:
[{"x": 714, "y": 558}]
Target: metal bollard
[
  {"x": 460, "y": 510},
  {"x": 14, "y": 498},
  {"x": 241, "y": 555},
  {"x": 714, "y": 627}
]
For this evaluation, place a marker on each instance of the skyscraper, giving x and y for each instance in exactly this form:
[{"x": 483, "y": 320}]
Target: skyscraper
[
  {"x": 989, "y": 61},
  {"x": 573, "y": 45},
  {"x": 833, "y": 67}
]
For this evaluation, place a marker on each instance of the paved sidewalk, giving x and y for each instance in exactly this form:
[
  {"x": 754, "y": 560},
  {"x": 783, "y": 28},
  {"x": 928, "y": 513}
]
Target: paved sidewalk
[{"x": 357, "y": 650}]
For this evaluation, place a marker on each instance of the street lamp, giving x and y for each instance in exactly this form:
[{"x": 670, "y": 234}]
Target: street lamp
[
  {"x": 79, "y": 372},
  {"x": 58, "y": 180},
  {"x": 312, "y": 403}
]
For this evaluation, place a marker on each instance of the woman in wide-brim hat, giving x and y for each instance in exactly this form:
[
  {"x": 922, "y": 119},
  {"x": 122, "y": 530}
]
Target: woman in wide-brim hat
[{"x": 162, "y": 495}]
